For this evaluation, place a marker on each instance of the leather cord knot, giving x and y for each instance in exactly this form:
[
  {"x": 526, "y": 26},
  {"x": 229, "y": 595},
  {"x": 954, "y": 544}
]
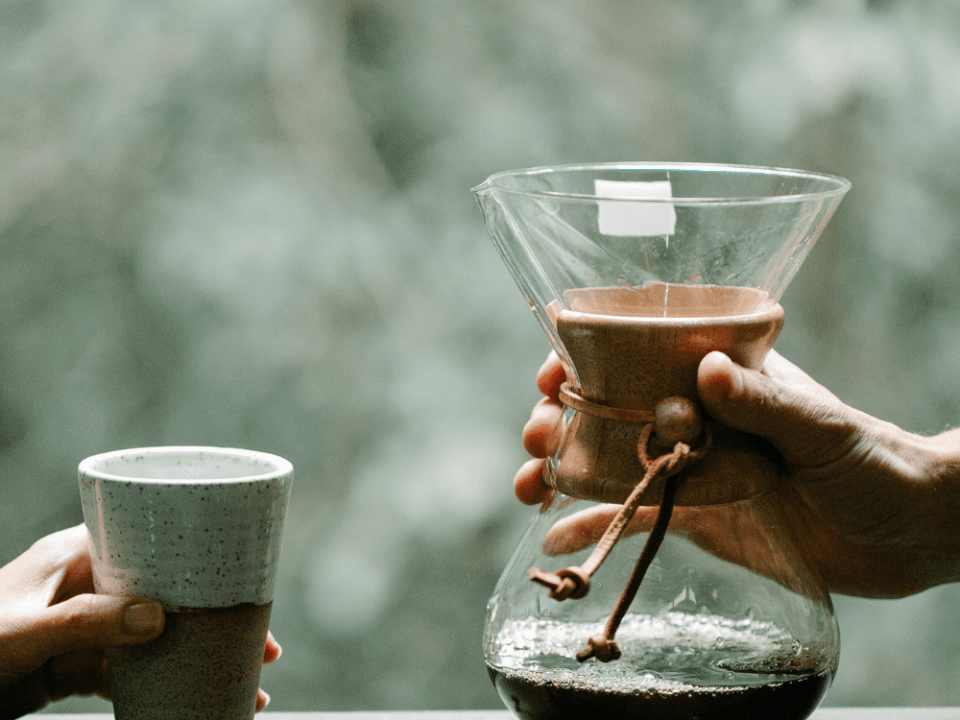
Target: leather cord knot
[
  {"x": 602, "y": 648},
  {"x": 571, "y": 582}
]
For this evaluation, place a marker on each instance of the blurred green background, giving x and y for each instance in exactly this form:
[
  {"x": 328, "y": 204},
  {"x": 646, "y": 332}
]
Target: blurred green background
[{"x": 249, "y": 224}]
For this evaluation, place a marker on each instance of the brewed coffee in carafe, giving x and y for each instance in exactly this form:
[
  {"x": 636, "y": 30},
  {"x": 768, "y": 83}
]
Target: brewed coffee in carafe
[{"x": 661, "y": 580}]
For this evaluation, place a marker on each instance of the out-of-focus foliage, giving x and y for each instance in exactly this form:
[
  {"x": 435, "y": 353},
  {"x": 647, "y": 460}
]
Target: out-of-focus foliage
[{"x": 248, "y": 223}]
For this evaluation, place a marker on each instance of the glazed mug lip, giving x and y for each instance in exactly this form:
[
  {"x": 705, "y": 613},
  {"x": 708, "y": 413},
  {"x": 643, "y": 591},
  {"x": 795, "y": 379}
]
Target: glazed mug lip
[{"x": 185, "y": 464}]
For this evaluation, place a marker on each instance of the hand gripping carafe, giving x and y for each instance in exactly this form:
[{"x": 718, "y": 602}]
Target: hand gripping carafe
[{"x": 661, "y": 579}]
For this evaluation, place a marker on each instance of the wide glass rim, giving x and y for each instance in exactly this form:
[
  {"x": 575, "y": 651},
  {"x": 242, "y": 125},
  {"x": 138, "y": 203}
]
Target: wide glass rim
[{"x": 837, "y": 186}]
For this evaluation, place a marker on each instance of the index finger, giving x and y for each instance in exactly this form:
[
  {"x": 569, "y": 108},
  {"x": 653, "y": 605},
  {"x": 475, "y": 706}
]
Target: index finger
[{"x": 551, "y": 376}]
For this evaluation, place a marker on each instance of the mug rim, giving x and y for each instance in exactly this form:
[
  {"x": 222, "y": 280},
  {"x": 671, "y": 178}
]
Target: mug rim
[{"x": 262, "y": 466}]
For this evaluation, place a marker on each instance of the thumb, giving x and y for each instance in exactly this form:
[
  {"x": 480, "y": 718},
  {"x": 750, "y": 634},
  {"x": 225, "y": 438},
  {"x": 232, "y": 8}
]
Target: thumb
[
  {"x": 798, "y": 417},
  {"x": 90, "y": 621}
]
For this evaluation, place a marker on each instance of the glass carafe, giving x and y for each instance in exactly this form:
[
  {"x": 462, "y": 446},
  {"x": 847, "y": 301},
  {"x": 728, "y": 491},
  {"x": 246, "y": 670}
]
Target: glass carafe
[{"x": 639, "y": 591}]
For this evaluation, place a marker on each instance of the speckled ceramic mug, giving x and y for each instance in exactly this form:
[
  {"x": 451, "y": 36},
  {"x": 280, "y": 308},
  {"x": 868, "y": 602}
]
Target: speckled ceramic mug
[{"x": 198, "y": 529}]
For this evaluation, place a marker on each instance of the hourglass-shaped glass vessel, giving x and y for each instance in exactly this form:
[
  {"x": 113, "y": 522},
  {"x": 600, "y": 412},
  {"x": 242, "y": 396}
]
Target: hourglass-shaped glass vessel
[{"x": 636, "y": 272}]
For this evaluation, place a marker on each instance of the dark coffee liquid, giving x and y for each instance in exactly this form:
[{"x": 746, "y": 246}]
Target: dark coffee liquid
[
  {"x": 674, "y": 665},
  {"x": 204, "y": 666},
  {"x": 534, "y": 696}
]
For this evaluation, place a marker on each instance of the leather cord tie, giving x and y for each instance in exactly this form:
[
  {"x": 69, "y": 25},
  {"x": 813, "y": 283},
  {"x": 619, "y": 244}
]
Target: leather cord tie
[
  {"x": 571, "y": 397},
  {"x": 678, "y": 424}
]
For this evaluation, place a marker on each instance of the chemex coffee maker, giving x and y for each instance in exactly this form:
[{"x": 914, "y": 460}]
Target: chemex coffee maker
[{"x": 660, "y": 580}]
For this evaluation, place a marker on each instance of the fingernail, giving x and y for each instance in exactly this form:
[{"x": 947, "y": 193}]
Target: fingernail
[
  {"x": 143, "y": 618},
  {"x": 264, "y": 700}
]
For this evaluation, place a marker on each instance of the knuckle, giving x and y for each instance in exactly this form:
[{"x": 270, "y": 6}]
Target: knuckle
[{"x": 80, "y": 611}]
